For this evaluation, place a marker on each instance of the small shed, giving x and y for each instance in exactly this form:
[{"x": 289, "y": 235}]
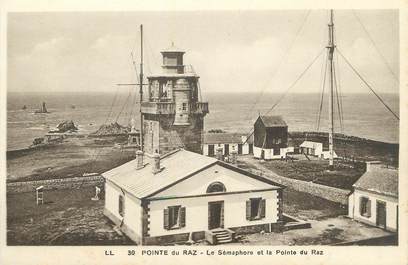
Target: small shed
[
  {"x": 311, "y": 148},
  {"x": 270, "y": 137},
  {"x": 227, "y": 142},
  {"x": 315, "y": 149},
  {"x": 374, "y": 199}
]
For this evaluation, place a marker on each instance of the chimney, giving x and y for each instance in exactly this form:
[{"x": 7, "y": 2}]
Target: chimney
[
  {"x": 219, "y": 154},
  {"x": 156, "y": 163},
  {"x": 139, "y": 159},
  {"x": 233, "y": 156}
]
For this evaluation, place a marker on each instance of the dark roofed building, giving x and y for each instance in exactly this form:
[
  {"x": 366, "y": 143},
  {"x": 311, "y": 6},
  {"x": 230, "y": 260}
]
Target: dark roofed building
[
  {"x": 270, "y": 137},
  {"x": 375, "y": 197}
]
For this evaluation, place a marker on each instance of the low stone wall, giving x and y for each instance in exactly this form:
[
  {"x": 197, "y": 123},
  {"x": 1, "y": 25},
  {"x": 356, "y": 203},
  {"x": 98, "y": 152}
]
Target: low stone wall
[
  {"x": 53, "y": 184},
  {"x": 322, "y": 191}
]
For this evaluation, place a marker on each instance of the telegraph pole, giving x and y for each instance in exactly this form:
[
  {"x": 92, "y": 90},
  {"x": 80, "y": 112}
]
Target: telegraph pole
[
  {"x": 141, "y": 87},
  {"x": 330, "y": 51}
]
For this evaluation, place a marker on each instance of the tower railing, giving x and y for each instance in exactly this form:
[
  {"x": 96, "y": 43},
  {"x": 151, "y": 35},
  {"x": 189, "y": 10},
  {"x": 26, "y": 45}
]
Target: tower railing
[{"x": 170, "y": 107}]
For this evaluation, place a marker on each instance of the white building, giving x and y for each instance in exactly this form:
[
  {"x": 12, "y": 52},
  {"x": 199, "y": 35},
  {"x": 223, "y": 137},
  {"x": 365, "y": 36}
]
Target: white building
[
  {"x": 187, "y": 196},
  {"x": 375, "y": 198},
  {"x": 315, "y": 149},
  {"x": 228, "y": 142}
]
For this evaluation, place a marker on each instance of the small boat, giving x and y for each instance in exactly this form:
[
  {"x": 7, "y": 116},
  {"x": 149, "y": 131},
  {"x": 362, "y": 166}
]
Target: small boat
[
  {"x": 24, "y": 107},
  {"x": 72, "y": 106},
  {"x": 43, "y": 109}
]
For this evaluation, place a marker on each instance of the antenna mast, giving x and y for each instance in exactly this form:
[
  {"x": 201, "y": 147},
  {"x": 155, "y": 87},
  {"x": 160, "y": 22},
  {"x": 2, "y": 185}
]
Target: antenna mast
[
  {"x": 141, "y": 87},
  {"x": 330, "y": 50}
]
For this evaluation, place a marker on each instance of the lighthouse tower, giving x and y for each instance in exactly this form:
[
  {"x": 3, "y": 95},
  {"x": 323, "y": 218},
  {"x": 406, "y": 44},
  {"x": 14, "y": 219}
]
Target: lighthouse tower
[{"x": 173, "y": 116}]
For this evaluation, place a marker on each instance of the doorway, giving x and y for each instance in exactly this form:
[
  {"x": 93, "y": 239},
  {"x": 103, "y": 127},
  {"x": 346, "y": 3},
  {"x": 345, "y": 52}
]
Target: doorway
[
  {"x": 381, "y": 214},
  {"x": 216, "y": 215}
]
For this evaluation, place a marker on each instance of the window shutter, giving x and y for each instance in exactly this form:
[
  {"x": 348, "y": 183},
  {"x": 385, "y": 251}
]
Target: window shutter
[
  {"x": 248, "y": 209},
  {"x": 368, "y": 208},
  {"x": 263, "y": 204},
  {"x": 182, "y": 216},
  {"x": 361, "y": 205},
  {"x": 166, "y": 219}
]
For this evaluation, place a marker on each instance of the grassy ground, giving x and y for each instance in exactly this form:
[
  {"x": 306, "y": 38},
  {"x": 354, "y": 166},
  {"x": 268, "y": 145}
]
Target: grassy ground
[
  {"x": 69, "y": 159},
  {"x": 344, "y": 175},
  {"x": 308, "y": 207},
  {"x": 68, "y": 217}
]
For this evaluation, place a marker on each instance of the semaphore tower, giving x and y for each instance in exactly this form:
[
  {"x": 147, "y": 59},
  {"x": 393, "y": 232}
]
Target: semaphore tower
[{"x": 171, "y": 109}]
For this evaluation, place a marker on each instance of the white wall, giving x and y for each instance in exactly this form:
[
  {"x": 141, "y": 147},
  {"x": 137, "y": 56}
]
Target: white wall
[
  {"x": 232, "y": 146},
  {"x": 197, "y": 211},
  {"x": 205, "y": 150},
  {"x": 133, "y": 214},
  {"x": 268, "y": 153},
  {"x": 133, "y": 209},
  {"x": 112, "y": 193},
  {"x": 245, "y": 149},
  {"x": 257, "y": 152},
  {"x": 198, "y": 184},
  {"x": 391, "y": 208}
]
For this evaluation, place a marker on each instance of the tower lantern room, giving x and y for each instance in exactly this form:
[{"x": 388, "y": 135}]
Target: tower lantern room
[
  {"x": 173, "y": 60},
  {"x": 173, "y": 115}
]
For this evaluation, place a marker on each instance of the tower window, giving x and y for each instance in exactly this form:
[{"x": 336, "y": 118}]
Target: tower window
[{"x": 184, "y": 106}]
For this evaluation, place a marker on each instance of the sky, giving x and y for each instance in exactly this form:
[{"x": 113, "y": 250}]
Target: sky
[{"x": 232, "y": 51}]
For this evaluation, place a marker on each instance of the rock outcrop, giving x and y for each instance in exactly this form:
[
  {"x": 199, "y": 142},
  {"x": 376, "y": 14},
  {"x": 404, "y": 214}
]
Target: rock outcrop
[
  {"x": 66, "y": 126},
  {"x": 111, "y": 129}
]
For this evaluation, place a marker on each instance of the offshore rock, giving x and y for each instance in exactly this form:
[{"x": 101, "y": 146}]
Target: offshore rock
[{"x": 66, "y": 126}]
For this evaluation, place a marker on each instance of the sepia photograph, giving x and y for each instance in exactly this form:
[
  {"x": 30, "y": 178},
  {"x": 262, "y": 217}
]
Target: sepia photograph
[{"x": 203, "y": 128}]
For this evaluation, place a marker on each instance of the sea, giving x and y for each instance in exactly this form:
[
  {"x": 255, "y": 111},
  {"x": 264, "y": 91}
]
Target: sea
[{"x": 361, "y": 115}]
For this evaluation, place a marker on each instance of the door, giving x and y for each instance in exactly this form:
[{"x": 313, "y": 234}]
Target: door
[
  {"x": 226, "y": 149},
  {"x": 263, "y": 154},
  {"x": 381, "y": 214},
  {"x": 216, "y": 215},
  {"x": 211, "y": 150},
  {"x": 239, "y": 149}
]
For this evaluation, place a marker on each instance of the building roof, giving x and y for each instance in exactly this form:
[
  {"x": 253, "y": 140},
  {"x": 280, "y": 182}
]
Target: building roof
[
  {"x": 379, "y": 180},
  {"x": 273, "y": 121},
  {"x": 172, "y": 48},
  {"x": 310, "y": 144},
  {"x": 142, "y": 183},
  {"x": 221, "y": 138}
]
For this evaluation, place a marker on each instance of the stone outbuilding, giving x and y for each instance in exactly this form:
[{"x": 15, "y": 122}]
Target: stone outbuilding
[{"x": 374, "y": 199}]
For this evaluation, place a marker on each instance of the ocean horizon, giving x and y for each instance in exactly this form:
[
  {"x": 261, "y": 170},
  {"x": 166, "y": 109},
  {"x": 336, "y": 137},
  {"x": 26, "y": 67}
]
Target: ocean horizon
[{"x": 363, "y": 115}]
